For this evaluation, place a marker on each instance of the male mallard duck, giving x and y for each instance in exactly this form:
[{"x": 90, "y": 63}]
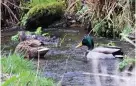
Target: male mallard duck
[{"x": 99, "y": 52}]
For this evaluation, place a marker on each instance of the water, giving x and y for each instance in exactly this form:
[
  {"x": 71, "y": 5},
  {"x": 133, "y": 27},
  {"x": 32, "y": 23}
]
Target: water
[{"x": 66, "y": 65}]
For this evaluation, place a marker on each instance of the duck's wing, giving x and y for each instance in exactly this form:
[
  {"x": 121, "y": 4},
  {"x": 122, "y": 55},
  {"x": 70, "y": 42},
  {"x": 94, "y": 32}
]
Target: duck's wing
[
  {"x": 106, "y": 50},
  {"x": 34, "y": 43},
  {"x": 97, "y": 55}
]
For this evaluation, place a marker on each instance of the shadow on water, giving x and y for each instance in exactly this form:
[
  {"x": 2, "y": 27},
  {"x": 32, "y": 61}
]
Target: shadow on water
[{"x": 66, "y": 65}]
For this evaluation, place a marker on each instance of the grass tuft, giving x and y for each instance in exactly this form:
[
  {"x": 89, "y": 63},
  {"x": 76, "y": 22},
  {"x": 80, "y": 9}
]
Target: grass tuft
[
  {"x": 22, "y": 72},
  {"x": 15, "y": 63}
]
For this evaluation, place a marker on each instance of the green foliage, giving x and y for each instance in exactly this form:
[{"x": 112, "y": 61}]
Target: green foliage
[
  {"x": 15, "y": 37},
  {"x": 78, "y": 5},
  {"x": 82, "y": 16},
  {"x": 38, "y": 31},
  {"x": 112, "y": 22},
  {"x": 24, "y": 19},
  {"x": 105, "y": 28},
  {"x": 28, "y": 32},
  {"x": 27, "y": 79},
  {"x": 15, "y": 63},
  {"x": 125, "y": 34},
  {"x": 126, "y": 31},
  {"x": 97, "y": 28},
  {"x": 80, "y": 12},
  {"x": 9, "y": 81},
  {"x": 45, "y": 34},
  {"x": 22, "y": 72},
  {"x": 35, "y": 2},
  {"x": 126, "y": 62},
  {"x": 111, "y": 43},
  {"x": 39, "y": 9}
]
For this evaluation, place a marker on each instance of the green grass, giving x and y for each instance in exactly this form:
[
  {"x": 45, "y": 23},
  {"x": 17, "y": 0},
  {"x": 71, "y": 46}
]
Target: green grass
[
  {"x": 27, "y": 79},
  {"x": 23, "y": 72},
  {"x": 35, "y": 2},
  {"x": 15, "y": 64},
  {"x": 126, "y": 62}
]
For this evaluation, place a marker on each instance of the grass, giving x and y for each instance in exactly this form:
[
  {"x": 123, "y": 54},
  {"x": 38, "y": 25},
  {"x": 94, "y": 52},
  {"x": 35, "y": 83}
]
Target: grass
[
  {"x": 109, "y": 18},
  {"x": 27, "y": 79},
  {"x": 22, "y": 72},
  {"x": 35, "y": 2},
  {"x": 126, "y": 62},
  {"x": 15, "y": 64}
]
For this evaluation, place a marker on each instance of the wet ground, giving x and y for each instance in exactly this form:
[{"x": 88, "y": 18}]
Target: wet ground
[{"x": 66, "y": 65}]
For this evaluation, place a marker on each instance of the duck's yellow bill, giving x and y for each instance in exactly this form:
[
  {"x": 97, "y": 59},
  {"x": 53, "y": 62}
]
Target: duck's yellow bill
[{"x": 79, "y": 45}]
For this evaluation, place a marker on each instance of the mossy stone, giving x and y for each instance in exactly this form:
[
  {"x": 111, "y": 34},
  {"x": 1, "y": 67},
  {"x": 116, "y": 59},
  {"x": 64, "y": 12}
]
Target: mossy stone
[{"x": 43, "y": 15}]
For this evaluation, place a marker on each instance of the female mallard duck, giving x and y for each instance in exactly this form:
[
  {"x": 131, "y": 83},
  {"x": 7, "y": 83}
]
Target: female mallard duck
[
  {"x": 30, "y": 47},
  {"x": 99, "y": 52}
]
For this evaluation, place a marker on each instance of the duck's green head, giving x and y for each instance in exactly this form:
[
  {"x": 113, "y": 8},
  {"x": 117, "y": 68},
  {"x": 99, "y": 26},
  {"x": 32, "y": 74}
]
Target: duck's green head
[{"x": 87, "y": 41}]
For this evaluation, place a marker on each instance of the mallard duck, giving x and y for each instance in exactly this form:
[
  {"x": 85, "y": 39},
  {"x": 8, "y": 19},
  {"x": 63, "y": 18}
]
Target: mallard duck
[
  {"x": 99, "y": 52},
  {"x": 30, "y": 48}
]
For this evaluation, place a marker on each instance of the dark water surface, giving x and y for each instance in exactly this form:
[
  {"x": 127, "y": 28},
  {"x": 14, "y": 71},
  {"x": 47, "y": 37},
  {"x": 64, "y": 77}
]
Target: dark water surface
[{"x": 66, "y": 65}]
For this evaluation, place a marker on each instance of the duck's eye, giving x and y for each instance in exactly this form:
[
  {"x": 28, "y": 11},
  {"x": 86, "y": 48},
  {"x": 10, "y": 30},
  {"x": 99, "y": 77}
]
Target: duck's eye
[{"x": 84, "y": 42}]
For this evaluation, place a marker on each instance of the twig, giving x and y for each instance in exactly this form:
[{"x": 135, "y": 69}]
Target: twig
[
  {"x": 64, "y": 72},
  {"x": 128, "y": 40},
  {"x": 11, "y": 12},
  {"x": 71, "y": 5},
  {"x": 17, "y": 6},
  {"x": 62, "y": 40},
  {"x": 103, "y": 19},
  {"x": 37, "y": 67}
]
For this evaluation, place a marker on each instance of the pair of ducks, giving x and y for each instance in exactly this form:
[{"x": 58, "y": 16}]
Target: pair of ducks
[
  {"x": 31, "y": 47},
  {"x": 99, "y": 52}
]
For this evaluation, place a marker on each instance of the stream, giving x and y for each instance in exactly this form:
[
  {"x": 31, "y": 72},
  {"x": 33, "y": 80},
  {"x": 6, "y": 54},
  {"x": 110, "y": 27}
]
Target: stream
[{"x": 65, "y": 64}]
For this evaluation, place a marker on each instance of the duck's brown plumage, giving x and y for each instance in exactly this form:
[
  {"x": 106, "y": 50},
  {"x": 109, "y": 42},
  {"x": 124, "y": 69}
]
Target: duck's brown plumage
[{"x": 29, "y": 48}]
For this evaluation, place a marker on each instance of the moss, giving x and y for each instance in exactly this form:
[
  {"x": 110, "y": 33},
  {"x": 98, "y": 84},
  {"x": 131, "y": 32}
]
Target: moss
[{"x": 54, "y": 8}]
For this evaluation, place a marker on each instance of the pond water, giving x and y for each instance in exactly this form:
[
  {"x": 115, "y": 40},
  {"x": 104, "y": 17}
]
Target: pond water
[{"x": 65, "y": 64}]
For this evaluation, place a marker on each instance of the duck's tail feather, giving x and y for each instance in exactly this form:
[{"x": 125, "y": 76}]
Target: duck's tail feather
[{"x": 118, "y": 54}]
